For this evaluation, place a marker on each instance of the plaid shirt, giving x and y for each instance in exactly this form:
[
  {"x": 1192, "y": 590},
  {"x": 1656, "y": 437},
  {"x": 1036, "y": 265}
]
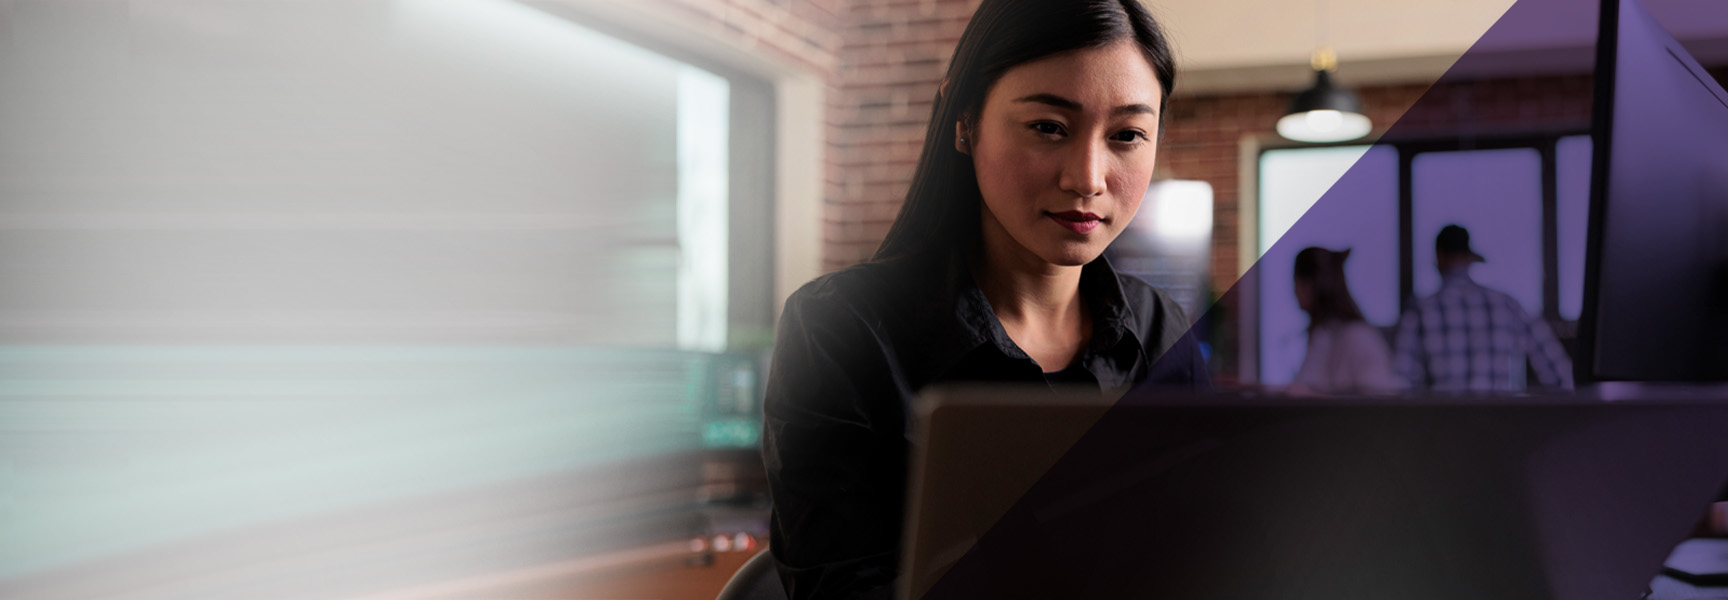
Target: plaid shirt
[{"x": 1468, "y": 338}]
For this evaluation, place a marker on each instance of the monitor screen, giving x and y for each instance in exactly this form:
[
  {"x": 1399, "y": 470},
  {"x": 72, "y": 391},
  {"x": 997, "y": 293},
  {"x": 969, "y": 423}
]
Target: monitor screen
[{"x": 1656, "y": 283}]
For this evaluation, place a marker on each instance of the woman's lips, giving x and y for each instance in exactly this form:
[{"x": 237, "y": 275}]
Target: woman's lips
[{"x": 1076, "y": 220}]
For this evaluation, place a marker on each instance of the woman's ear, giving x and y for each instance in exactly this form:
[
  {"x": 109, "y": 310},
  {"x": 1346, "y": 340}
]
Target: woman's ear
[{"x": 961, "y": 141}]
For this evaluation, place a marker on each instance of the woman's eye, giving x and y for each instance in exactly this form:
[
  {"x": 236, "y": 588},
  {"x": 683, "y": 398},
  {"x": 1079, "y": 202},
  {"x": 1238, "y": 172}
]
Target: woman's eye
[
  {"x": 1047, "y": 128},
  {"x": 1129, "y": 136}
]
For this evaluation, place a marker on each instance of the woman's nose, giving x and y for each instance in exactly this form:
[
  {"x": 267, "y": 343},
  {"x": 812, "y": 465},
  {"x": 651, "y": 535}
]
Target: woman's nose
[{"x": 1083, "y": 171}]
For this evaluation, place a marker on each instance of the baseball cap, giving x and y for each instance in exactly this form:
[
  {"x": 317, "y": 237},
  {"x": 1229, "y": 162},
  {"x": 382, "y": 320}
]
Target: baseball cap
[{"x": 1456, "y": 240}]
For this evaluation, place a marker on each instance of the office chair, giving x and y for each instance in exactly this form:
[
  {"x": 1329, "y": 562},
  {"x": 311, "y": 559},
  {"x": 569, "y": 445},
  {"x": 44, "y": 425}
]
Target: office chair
[{"x": 756, "y": 580}]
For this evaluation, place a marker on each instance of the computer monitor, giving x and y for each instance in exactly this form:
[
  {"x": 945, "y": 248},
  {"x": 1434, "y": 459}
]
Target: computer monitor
[
  {"x": 1025, "y": 493},
  {"x": 1656, "y": 271}
]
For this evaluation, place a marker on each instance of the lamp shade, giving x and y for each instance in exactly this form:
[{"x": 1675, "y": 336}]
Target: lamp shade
[{"x": 1324, "y": 113}]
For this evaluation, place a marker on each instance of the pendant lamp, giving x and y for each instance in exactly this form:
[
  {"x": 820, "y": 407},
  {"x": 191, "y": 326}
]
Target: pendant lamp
[{"x": 1324, "y": 112}]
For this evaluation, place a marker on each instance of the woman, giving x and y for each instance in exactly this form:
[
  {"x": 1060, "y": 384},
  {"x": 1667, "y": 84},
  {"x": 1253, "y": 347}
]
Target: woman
[
  {"x": 1039, "y": 148},
  {"x": 1346, "y": 355}
]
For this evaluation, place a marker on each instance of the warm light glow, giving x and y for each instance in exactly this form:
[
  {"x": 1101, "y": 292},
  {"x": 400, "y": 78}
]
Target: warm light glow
[
  {"x": 1324, "y": 126},
  {"x": 1325, "y": 121}
]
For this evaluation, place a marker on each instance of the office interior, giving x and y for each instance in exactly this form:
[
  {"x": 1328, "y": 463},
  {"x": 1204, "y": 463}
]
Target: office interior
[{"x": 475, "y": 298}]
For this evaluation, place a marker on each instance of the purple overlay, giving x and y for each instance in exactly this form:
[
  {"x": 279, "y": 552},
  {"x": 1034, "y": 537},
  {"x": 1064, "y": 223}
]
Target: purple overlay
[{"x": 1126, "y": 512}]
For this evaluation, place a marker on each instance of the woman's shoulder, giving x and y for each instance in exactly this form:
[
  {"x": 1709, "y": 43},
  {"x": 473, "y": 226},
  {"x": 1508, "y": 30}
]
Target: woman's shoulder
[
  {"x": 870, "y": 293},
  {"x": 862, "y": 284},
  {"x": 842, "y": 337}
]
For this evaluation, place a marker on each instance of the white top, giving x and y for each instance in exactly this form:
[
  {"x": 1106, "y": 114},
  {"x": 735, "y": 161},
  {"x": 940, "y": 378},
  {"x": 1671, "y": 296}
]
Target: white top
[{"x": 1347, "y": 358}]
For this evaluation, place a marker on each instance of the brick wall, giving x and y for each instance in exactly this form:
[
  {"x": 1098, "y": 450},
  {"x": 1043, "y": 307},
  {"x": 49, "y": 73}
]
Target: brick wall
[
  {"x": 891, "y": 63},
  {"x": 799, "y": 32}
]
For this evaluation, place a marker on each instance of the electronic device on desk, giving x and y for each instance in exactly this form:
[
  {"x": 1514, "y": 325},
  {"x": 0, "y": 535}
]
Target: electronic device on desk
[
  {"x": 1655, "y": 314},
  {"x": 1025, "y": 494},
  {"x": 1656, "y": 260}
]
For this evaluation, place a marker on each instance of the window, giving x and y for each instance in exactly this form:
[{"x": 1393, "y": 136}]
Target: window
[
  {"x": 266, "y": 262},
  {"x": 1291, "y": 183},
  {"x": 1497, "y": 195},
  {"x": 412, "y": 172},
  {"x": 1524, "y": 201},
  {"x": 1572, "y": 156}
]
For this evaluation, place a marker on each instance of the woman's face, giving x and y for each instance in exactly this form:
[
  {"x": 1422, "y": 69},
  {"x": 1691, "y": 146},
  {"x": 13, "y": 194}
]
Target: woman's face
[{"x": 1064, "y": 148}]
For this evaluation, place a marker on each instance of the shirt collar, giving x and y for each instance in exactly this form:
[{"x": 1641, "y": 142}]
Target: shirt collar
[
  {"x": 960, "y": 318},
  {"x": 1112, "y": 316},
  {"x": 1458, "y": 275}
]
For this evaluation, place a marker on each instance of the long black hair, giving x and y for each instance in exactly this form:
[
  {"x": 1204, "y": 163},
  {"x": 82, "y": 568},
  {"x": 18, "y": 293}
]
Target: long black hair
[
  {"x": 941, "y": 211},
  {"x": 1323, "y": 270}
]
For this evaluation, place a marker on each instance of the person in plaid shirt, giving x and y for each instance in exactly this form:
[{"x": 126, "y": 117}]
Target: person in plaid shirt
[{"x": 1470, "y": 338}]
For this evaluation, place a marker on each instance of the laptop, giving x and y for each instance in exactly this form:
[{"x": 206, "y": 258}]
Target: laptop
[{"x": 1025, "y": 493}]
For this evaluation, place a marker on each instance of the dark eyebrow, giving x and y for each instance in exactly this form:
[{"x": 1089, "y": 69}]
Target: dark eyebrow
[
  {"x": 1052, "y": 100},
  {"x": 1134, "y": 109},
  {"x": 1066, "y": 104}
]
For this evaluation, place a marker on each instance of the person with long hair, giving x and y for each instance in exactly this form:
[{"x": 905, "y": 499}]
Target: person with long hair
[
  {"x": 1345, "y": 355},
  {"x": 1040, "y": 147}
]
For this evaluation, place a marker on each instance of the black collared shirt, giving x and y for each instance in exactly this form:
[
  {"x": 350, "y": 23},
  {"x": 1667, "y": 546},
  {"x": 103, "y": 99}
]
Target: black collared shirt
[{"x": 853, "y": 349}]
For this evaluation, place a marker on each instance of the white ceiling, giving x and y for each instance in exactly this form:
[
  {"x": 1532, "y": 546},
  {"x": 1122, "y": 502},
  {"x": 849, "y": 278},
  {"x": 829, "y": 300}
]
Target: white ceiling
[{"x": 1227, "y": 45}]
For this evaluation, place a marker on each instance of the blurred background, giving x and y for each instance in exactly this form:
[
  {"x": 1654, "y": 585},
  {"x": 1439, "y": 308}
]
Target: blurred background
[{"x": 473, "y": 298}]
